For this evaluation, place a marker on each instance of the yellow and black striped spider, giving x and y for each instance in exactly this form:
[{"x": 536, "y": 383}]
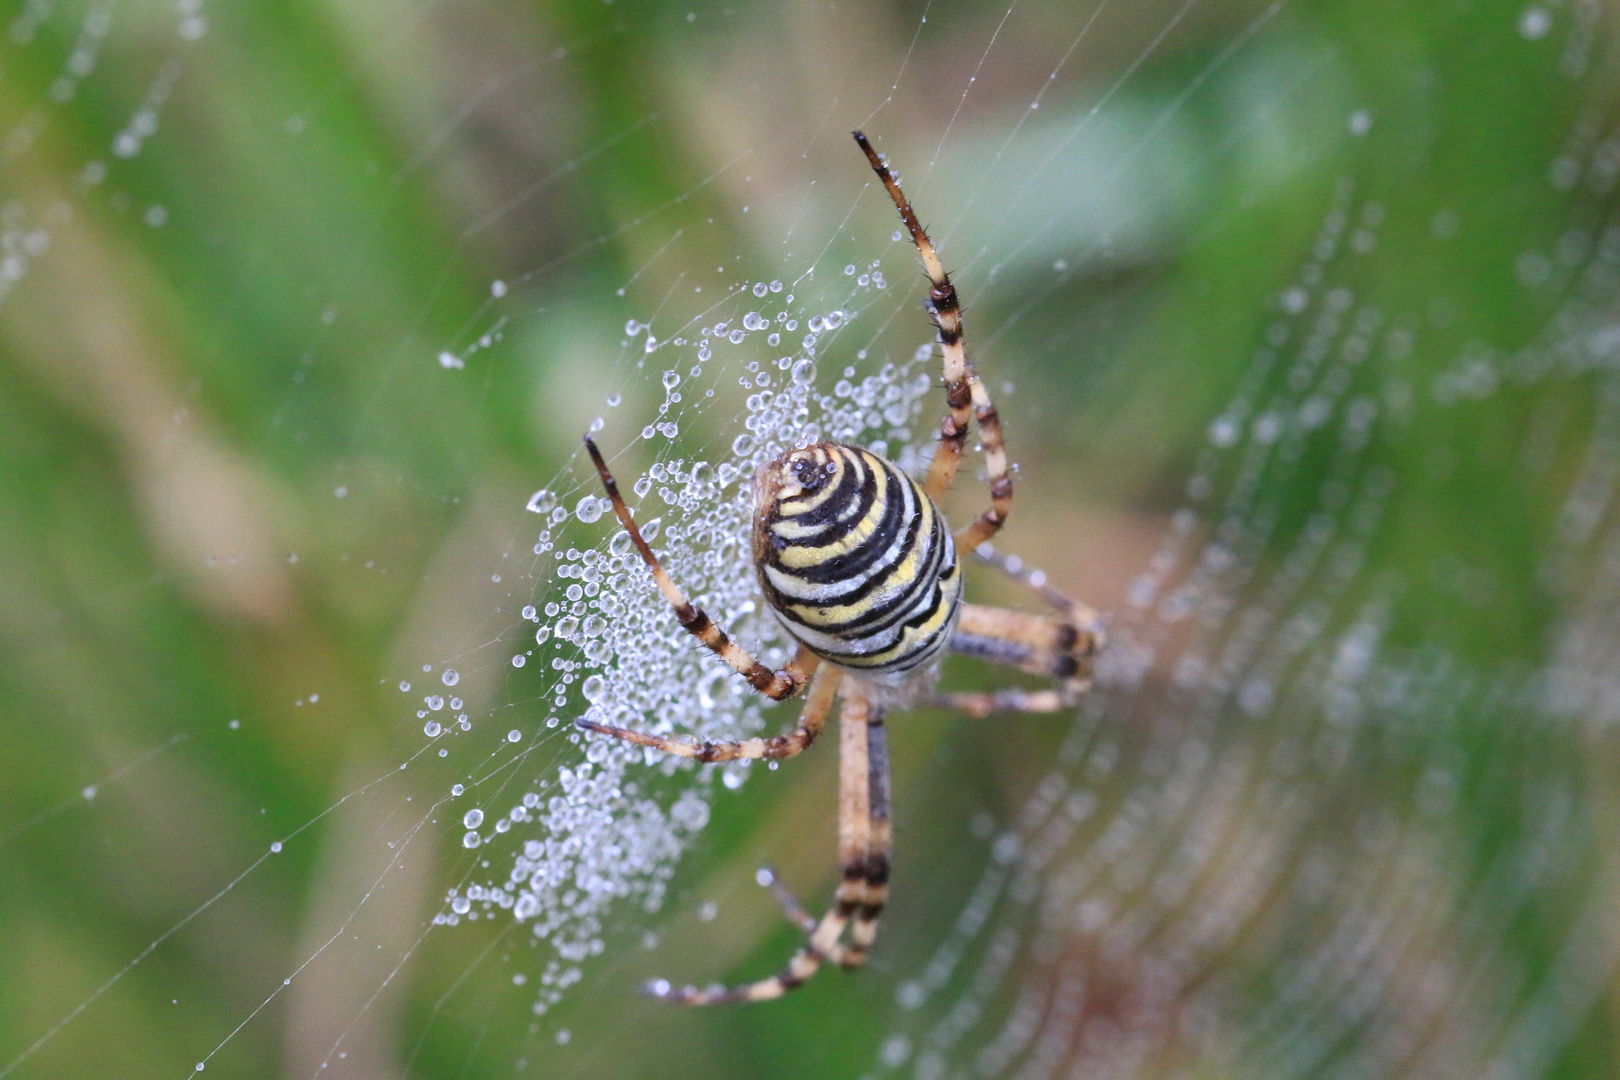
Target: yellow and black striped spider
[{"x": 857, "y": 562}]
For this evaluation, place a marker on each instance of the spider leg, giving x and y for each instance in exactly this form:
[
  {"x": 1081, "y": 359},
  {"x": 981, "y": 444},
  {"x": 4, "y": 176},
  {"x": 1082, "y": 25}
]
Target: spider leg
[
  {"x": 879, "y": 843},
  {"x": 796, "y": 914},
  {"x": 1076, "y": 633},
  {"x": 965, "y": 395},
  {"x": 792, "y": 910},
  {"x": 1010, "y": 699},
  {"x": 773, "y": 684},
  {"x": 1038, "y": 644},
  {"x": 852, "y": 900},
  {"x": 817, "y": 704},
  {"x": 879, "y": 848},
  {"x": 1013, "y": 568},
  {"x": 988, "y": 523}
]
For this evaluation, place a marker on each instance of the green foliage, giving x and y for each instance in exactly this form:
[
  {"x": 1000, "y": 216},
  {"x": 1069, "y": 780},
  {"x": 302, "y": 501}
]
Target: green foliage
[{"x": 240, "y": 498}]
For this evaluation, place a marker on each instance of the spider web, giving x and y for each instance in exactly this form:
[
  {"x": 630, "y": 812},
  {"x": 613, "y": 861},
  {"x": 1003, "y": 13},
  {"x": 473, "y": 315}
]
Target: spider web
[{"x": 1310, "y": 372}]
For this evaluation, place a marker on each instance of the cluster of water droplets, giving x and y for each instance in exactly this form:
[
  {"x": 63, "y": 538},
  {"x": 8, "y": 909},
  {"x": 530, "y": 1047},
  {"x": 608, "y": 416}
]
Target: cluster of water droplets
[{"x": 608, "y": 829}]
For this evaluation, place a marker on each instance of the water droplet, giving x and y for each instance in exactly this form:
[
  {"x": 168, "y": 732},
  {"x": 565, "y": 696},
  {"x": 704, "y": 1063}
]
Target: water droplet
[
  {"x": 541, "y": 502},
  {"x": 431, "y": 729},
  {"x": 804, "y": 372},
  {"x": 588, "y": 509},
  {"x": 472, "y": 818},
  {"x": 471, "y": 840}
]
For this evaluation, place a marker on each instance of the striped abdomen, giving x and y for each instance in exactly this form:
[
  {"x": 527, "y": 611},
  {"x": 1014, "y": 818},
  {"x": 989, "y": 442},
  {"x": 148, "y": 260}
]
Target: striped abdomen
[{"x": 855, "y": 558}]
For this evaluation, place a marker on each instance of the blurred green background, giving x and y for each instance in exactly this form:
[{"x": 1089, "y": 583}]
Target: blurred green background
[{"x": 242, "y": 496}]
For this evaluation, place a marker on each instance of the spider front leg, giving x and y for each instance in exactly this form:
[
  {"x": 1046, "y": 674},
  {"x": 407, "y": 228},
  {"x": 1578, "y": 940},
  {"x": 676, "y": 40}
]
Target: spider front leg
[
  {"x": 965, "y": 395},
  {"x": 863, "y": 853},
  {"x": 773, "y": 684}
]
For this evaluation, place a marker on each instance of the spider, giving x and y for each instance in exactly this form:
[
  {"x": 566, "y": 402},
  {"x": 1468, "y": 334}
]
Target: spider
[{"x": 859, "y": 566}]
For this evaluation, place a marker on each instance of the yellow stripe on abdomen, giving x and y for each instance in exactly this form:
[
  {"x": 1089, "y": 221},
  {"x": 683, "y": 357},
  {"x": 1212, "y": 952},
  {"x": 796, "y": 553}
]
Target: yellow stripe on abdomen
[{"x": 855, "y": 558}]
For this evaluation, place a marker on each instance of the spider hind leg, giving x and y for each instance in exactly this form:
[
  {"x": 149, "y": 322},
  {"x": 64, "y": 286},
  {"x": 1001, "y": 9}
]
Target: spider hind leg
[{"x": 863, "y": 851}]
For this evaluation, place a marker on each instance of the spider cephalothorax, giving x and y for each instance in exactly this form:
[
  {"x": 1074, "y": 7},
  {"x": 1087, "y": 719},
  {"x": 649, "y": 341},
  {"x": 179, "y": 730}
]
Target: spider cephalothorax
[{"x": 856, "y": 559}]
